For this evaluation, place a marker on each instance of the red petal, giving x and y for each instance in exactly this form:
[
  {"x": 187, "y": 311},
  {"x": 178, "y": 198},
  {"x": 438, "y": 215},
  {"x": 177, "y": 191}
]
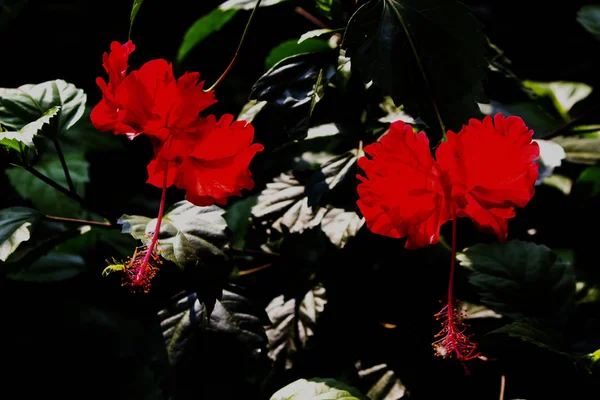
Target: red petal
[
  {"x": 402, "y": 195},
  {"x": 211, "y": 181},
  {"x": 490, "y": 165},
  {"x": 106, "y": 118},
  {"x": 224, "y": 140},
  {"x": 156, "y": 172},
  {"x": 116, "y": 63}
]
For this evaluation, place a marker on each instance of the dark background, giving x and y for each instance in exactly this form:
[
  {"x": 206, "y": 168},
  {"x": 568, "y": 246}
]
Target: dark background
[{"x": 42, "y": 344}]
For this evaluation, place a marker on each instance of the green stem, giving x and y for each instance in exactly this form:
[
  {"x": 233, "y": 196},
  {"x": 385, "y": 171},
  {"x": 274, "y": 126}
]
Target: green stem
[
  {"x": 79, "y": 221},
  {"x": 65, "y": 168},
  {"x": 238, "y": 48},
  {"x": 60, "y": 188},
  {"x": 420, "y": 65}
]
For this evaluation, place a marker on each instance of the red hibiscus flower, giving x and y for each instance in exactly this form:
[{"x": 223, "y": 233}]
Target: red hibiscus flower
[
  {"x": 210, "y": 162},
  {"x": 483, "y": 172},
  {"x": 206, "y": 158}
]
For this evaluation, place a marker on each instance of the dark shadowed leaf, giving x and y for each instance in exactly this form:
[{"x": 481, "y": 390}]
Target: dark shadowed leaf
[
  {"x": 420, "y": 52},
  {"x": 47, "y": 199},
  {"x": 293, "y": 47},
  {"x": 25, "y": 135},
  {"x": 293, "y": 87},
  {"x": 293, "y": 323},
  {"x": 44, "y": 238},
  {"x": 51, "y": 267},
  {"x": 297, "y": 206},
  {"x": 27, "y": 103},
  {"x": 535, "y": 332},
  {"x": 231, "y": 343},
  {"x": 589, "y": 17},
  {"x": 16, "y": 225},
  {"x": 318, "y": 389},
  {"x": 238, "y": 220},
  {"x": 188, "y": 233},
  {"x": 521, "y": 279}
]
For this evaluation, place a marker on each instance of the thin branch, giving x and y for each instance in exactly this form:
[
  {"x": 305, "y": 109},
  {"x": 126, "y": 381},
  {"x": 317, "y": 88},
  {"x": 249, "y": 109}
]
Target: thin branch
[
  {"x": 311, "y": 17},
  {"x": 502, "y": 386},
  {"x": 79, "y": 221},
  {"x": 238, "y": 48},
  {"x": 565, "y": 128},
  {"x": 65, "y": 167}
]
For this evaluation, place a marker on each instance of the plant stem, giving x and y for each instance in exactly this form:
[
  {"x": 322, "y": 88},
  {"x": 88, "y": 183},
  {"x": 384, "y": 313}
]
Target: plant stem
[
  {"x": 502, "y": 386},
  {"x": 78, "y": 221},
  {"x": 238, "y": 48},
  {"x": 451, "y": 278},
  {"x": 310, "y": 17},
  {"x": 60, "y": 188},
  {"x": 156, "y": 233},
  {"x": 567, "y": 126},
  {"x": 413, "y": 48},
  {"x": 65, "y": 168}
]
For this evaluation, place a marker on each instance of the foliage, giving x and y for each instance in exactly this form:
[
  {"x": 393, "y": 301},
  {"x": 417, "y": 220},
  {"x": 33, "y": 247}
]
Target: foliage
[{"x": 283, "y": 292}]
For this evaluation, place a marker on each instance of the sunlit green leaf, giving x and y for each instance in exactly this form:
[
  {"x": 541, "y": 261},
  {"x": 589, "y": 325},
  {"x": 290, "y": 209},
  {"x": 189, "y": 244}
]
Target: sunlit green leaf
[
  {"x": 564, "y": 95},
  {"x": 188, "y": 233},
  {"x": 294, "y": 322},
  {"x": 26, "y": 134},
  {"x": 27, "y": 103},
  {"x": 580, "y": 150},
  {"x": 313, "y": 34},
  {"x": 247, "y": 4},
  {"x": 16, "y": 225},
  {"x": 318, "y": 389}
]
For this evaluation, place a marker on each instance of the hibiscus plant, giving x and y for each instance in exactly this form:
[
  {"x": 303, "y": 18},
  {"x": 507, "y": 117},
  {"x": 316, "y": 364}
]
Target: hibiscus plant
[{"x": 353, "y": 199}]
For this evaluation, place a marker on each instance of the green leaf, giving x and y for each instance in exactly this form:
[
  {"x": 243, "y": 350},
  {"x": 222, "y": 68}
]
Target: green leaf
[
  {"x": 20, "y": 106},
  {"x": 294, "y": 205},
  {"x": 534, "y": 331},
  {"x": 294, "y": 47},
  {"x": 134, "y": 10},
  {"x": 16, "y": 226},
  {"x": 587, "y": 186},
  {"x": 580, "y": 150},
  {"x": 293, "y": 86},
  {"x": 189, "y": 235},
  {"x": 26, "y": 134},
  {"x": 293, "y": 323},
  {"x": 560, "y": 182},
  {"x": 202, "y": 28},
  {"x": 251, "y": 110},
  {"x": 420, "y": 52},
  {"x": 47, "y": 199},
  {"x": 521, "y": 279},
  {"x": 564, "y": 95},
  {"x": 231, "y": 343},
  {"x": 383, "y": 381},
  {"x": 44, "y": 238},
  {"x": 51, "y": 267},
  {"x": 238, "y": 218},
  {"x": 318, "y": 389},
  {"x": 589, "y": 17},
  {"x": 247, "y": 4},
  {"x": 313, "y": 34},
  {"x": 327, "y": 8}
]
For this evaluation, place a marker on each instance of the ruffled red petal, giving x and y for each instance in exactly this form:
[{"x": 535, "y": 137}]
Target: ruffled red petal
[{"x": 401, "y": 194}]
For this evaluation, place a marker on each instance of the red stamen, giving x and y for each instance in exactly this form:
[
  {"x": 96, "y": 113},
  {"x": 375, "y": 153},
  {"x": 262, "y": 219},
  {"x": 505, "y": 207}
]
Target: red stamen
[{"x": 452, "y": 338}]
